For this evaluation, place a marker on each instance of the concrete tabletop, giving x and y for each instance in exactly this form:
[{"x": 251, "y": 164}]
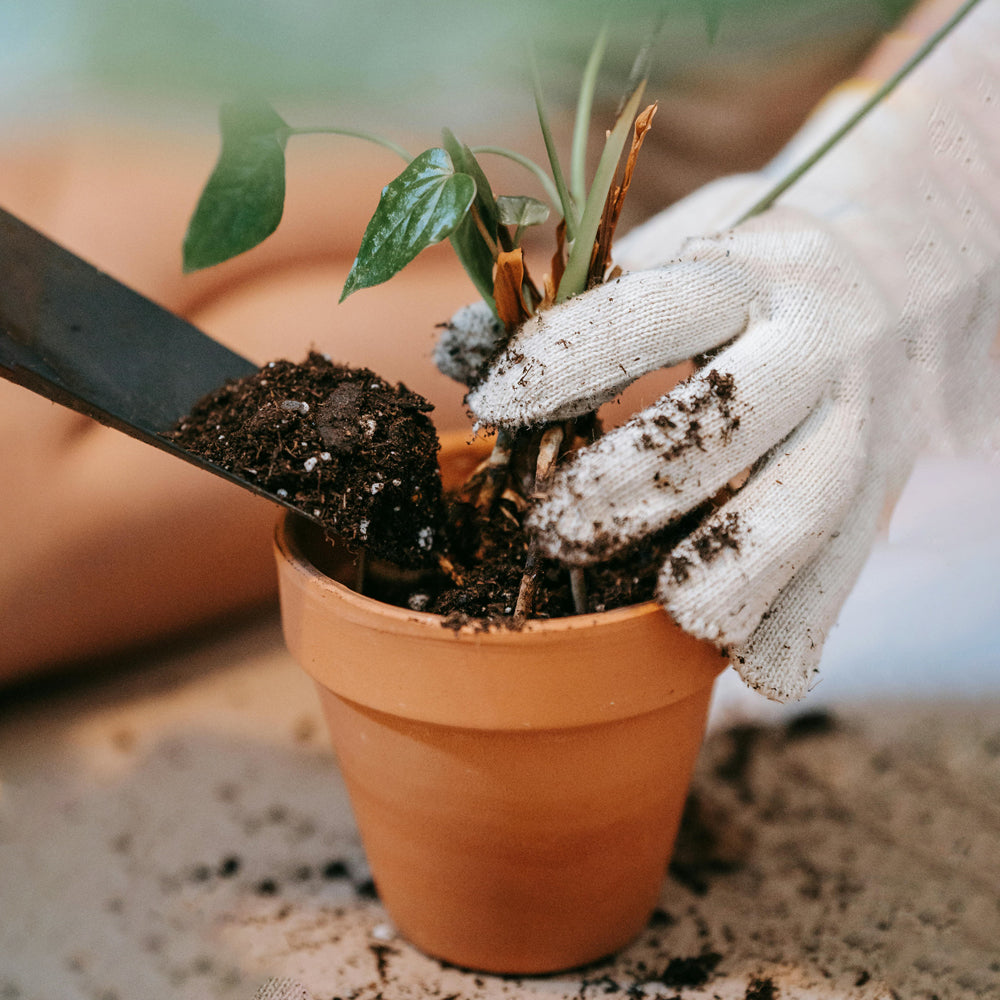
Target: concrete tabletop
[{"x": 177, "y": 828}]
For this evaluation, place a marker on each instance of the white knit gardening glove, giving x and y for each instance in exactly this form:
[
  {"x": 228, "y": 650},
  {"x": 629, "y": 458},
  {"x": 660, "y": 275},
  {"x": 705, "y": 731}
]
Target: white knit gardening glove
[{"x": 849, "y": 326}]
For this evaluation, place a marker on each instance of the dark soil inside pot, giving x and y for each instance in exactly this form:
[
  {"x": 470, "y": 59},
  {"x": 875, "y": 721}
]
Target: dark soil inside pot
[{"x": 359, "y": 454}]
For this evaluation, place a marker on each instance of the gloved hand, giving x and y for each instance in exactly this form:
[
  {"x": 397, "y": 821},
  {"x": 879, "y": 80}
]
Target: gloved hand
[{"x": 847, "y": 326}]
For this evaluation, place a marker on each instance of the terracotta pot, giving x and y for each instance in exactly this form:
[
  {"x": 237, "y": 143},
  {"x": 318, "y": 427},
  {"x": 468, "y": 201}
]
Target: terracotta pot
[{"x": 517, "y": 793}]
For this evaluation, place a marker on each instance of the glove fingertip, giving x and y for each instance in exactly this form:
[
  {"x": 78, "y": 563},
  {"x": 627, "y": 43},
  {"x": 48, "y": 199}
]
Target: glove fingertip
[
  {"x": 467, "y": 342},
  {"x": 493, "y": 408},
  {"x": 777, "y": 678}
]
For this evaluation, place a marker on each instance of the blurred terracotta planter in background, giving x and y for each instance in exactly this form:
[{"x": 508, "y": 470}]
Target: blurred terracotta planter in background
[{"x": 517, "y": 792}]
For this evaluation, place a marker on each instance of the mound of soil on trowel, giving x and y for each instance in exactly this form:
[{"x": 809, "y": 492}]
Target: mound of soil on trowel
[
  {"x": 348, "y": 448},
  {"x": 359, "y": 454}
]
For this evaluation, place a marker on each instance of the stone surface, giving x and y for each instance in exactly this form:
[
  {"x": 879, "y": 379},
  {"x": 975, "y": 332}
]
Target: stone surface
[{"x": 178, "y": 829}]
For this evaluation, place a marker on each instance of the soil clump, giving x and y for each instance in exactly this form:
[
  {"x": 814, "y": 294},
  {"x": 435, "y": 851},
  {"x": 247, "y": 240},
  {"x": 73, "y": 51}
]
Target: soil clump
[
  {"x": 349, "y": 449},
  {"x": 359, "y": 455}
]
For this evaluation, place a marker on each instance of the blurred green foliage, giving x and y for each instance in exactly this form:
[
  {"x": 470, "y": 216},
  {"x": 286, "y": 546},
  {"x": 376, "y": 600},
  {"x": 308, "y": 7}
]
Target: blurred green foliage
[{"x": 403, "y": 56}]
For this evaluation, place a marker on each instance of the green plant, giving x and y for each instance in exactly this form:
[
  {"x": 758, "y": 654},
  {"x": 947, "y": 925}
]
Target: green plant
[{"x": 443, "y": 193}]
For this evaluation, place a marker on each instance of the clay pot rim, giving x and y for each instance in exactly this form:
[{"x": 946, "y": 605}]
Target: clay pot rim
[
  {"x": 552, "y": 673},
  {"x": 557, "y": 673},
  {"x": 293, "y": 551}
]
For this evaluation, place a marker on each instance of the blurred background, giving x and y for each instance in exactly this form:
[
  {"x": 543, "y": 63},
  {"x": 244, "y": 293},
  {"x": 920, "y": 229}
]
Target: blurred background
[
  {"x": 108, "y": 122},
  {"x": 404, "y": 60},
  {"x": 147, "y": 763}
]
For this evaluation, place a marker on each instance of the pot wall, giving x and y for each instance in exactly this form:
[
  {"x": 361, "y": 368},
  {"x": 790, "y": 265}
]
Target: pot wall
[
  {"x": 573, "y": 671},
  {"x": 517, "y": 793},
  {"x": 518, "y": 851}
]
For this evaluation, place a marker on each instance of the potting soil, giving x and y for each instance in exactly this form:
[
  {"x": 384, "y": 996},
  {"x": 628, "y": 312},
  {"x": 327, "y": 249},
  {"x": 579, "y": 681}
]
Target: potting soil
[{"x": 360, "y": 455}]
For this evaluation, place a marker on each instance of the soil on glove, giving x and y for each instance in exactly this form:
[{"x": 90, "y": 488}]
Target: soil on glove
[{"x": 359, "y": 454}]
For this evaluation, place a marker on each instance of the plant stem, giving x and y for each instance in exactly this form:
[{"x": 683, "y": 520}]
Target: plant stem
[
  {"x": 574, "y": 278},
  {"x": 477, "y": 218},
  {"x": 551, "y": 192},
  {"x": 355, "y": 134},
  {"x": 578, "y": 587},
  {"x": 569, "y": 210},
  {"x": 548, "y": 454},
  {"x": 496, "y": 470},
  {"x": 581, "y": 126},
  {"x": 529, "y": 585},
  {"x": 876, "y": 98}
]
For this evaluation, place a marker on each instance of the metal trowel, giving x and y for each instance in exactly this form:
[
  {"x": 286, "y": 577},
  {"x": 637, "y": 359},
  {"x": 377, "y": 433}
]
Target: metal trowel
[{"x": 77, "y": 336}]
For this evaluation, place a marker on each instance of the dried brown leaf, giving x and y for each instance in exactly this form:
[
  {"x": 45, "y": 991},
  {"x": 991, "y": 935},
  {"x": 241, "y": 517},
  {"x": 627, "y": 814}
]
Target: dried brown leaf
[
  {"x": 616, "y": 199},
  {"x": 508, "y": 280},
  {"x": 558, "y": 267}
]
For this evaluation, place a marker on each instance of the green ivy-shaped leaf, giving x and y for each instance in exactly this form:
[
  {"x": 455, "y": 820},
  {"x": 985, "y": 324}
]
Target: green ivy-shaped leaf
[
  {"x": 522, "y": 211},
  {"x": 421, "y": 207},
  {"x": 242, "y": 202},
  {"x": 467, "y": 241},
  {"x": 465, "y": 162}
]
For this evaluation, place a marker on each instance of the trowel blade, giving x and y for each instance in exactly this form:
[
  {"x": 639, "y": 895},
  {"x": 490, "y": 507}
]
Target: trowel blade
[{"x": 75, "y": 335}]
